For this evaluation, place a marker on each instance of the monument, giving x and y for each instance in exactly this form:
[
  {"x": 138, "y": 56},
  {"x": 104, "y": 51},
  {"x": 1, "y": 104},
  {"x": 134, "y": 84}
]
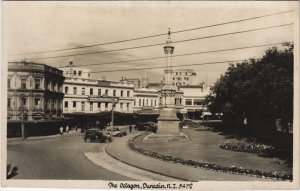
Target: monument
[{"x": 168, "y": 123}]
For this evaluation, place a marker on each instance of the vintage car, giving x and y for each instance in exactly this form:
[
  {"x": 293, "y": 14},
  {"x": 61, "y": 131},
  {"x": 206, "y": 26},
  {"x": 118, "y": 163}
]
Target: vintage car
[
  {"x": 116, "y": 132},
  {"x": 147, "y": 126},
  {"x": 93, "y": 135}
]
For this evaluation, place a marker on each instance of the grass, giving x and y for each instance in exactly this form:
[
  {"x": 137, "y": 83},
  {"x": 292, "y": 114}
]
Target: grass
[{"x": 204, "y": 146}]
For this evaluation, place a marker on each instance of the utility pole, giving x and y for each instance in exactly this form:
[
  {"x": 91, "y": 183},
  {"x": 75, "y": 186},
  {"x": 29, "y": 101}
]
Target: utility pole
[
  {"x": 22, "y": 117},
  {"x": 112, "y": 113}
]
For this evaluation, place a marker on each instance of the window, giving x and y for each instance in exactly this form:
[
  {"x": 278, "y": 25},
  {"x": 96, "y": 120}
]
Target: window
[
  {"x": 187, "y": 78},
  {"x": 83, "y": 91},
  {"x": 121, "y": 106},
  {"x": 188, "y": 102},
  {"x": 99, "y": 104},
  {"x": 99, "y": 92},
  {"x": 79, "y": 73},
  {"x": 139, "y": 102},
  {"x": 173, "y": 78},
  {"x": 127, "y": 106},
  {"x": 128, "y": 93},
  {"x": 74, "y": 104},
  {"x": 121, "y": 93},
  {"x": 134, "y": 102},
  {"x": 106, "y": 105},
  {"x": 66, "y": 104},
  {"x": 91, "y": 106},
  {"x": 114, "y": 92},
  {"x": 8, "y": 83},
  {"x": 91, "y": 91},
  {"x": 186, "y": 73},
  {"x": 23, "y": 101},
  {"x": 23, "y": 83},
  {"x": 198, "y": 101},
  {"x": 74, "y": 90},
  {"x": 179, "y": 78},
  {"x": 106, "y": 92},
  {"x": 151, "y": 102},
  {"x": 155, "y": 102},
  {"x": 176, "y": 73},
  {"x": 37, "y": 103},
  {"x": 143, "y": 102},
  {"x": 75, "y": 72},
  {"x": 147, "y": 102},
  {"x": 8, "y": 102},
  {"x": 66, "y": 90},
  {"x": 82, "y": 106}
]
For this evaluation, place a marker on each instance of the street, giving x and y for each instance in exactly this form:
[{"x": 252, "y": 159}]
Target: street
[{"x": 57, "y": 158}]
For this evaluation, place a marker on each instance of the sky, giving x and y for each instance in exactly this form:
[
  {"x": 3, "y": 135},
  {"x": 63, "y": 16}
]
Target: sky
[{"x": 42, "y": 26}]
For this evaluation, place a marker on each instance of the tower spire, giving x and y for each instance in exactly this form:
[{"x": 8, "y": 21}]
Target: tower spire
[{"x": 168, "y": 50}]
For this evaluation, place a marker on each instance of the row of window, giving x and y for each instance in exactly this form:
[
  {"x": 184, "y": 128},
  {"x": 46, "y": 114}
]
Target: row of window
[
  {"x": 179, "y": 84},
  {"x": 37, "y": 84},
  {"x": 37, "y": 103},
  {"x": 83, "y": 104},
  {"x": 181, "y": 73},
  {"x": 146, "y": 102},
  {"x": 194, "y": 102},
  {"x": 106, "y": 92},
  {"x": 179, "y": 78}
]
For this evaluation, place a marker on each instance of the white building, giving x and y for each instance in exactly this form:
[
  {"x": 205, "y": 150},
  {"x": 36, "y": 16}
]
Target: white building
[
  {"x": 183, "y": 77},
  {"x": 146, "y": 100},
  {"x": 193, "y": 101},
  {"x": 86, "y": 95}
]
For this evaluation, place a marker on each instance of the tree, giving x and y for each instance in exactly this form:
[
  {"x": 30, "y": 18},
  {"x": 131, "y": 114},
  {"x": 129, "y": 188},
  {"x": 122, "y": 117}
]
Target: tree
[{"x": 260, "y": 90}]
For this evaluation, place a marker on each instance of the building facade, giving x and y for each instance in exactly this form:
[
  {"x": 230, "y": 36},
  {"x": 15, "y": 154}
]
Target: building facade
[
  {"x": 146, "y": 100},
  {"x": 35, "y": 91},
  {"x": 86, "y": 95},
  {"x": 183, "y": 77},
  {"x": 193, "y": 101}
]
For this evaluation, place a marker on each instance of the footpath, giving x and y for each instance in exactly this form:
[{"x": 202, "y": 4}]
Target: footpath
[
  {"x": 17, "y": 140},
  {"x": 119, "y": 150}
]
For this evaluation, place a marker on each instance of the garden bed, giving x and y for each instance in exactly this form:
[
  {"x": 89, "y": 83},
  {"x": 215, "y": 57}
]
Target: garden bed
[{"x": 210, "y": 166}]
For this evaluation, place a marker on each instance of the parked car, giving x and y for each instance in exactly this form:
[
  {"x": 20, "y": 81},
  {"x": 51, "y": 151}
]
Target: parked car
[
  {"x": 116, "y": 132},
  {"x": 147, "y": 126},
  {"x": 93, "y": 135},
  {"x": 123, "y": 132}
]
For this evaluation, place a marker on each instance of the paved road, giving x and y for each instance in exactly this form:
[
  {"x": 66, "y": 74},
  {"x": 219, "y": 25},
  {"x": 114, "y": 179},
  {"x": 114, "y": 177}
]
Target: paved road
[{"x": 57, "y": 158}]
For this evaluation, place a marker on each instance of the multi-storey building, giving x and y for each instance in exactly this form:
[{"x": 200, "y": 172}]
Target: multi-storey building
[
  {"x": 146, "y": 100},
  {"x": 35, "y": 89},
  {"x": 85, "y": 96},
  {"x": 183, "y": 77},
  {"x": 193, "y": 101},
  {"x": 34, "y": 99}
]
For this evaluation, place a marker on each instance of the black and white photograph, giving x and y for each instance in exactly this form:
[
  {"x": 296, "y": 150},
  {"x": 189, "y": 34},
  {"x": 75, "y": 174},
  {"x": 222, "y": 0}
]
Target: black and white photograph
[{"x": 150, "y": 95}]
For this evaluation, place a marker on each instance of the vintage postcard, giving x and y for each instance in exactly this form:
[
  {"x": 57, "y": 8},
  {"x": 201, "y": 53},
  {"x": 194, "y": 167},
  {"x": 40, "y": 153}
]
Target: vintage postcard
[{"x": 150, "y": 95}]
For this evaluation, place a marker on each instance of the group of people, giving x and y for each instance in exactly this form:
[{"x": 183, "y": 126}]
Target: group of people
[{"x": 61, "y": 129}]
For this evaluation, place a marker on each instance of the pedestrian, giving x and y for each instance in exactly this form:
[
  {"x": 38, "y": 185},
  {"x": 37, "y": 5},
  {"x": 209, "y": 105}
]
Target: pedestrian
[
  {"x": 67, "y": 129},
  {"x": 76, "y": 128},
  {"x": 61, "y": 129},
  {"x": 130, "y": 128}
]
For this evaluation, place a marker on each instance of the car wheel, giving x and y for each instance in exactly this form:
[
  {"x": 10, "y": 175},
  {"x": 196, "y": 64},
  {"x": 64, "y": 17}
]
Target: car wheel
[{"x": 88, "y": 140}]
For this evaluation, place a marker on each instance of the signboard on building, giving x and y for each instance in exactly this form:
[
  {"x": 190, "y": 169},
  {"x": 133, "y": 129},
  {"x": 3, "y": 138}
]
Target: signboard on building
[
  {"x": 103, "y": 83},
  {"x": 103, "y": 99}
]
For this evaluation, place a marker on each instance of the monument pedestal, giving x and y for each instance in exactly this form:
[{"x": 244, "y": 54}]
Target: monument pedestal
[{"x": 168, "y": 128}]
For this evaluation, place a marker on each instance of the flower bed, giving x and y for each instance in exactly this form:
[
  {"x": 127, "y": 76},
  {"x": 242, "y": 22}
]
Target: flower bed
[
  {"x": 210, "y": 166},
  {"x": 250, "y": 147}
]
